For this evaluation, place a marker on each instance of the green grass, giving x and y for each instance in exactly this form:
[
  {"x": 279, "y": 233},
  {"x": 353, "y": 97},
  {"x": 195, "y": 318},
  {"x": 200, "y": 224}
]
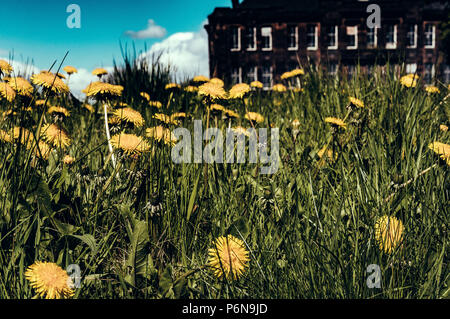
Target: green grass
[{"x": 142, "y": 230}]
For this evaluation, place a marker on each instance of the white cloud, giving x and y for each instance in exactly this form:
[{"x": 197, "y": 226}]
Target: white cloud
[
  {"x": 187, "y": 52},
  {"x": 153, "y": 31},
  {"x": 21, "y": 68}
]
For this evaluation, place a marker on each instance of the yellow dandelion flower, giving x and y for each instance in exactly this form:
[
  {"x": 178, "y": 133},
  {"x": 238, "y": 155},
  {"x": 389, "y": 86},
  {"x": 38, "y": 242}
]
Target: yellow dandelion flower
[
  {"x": 170, "y": 86},
  {"x": 217, "y": 81},
  {"x": 239, "y": 130},
  {"x": 297, "y": 72},
  {"x": 354, "y": 101},
  {"x": 39, "y": 102},
  {"x": 50, "y": 81},
  {"x": 388, "y": 233},
  {"x": 178, "y": 115},
  {"x": 145, "y": 95},
  {"x": 68, "y": 160},
  {"x": 409, "y": 80},
  {"x": 89, "y": 107},
  {"x": 443, "y": 128},
  {"x": 200, "y": 78},
  {"x": 5, "y": 137},
  {"x": 99, "y": 72},
  {"x": 156, "y": 104},
  {"x": 432, "y": 89},
  {"x": 61, "y": 76},
  {"x": 42, "y": 150},
  {"x": 58, "y": 110},
  {"x": 5, "y": 67},
  {"x": 55, "y": 135},
  {"x": 279, "y": 88},
  {"x": 441, "y": 149},
  {"x": 21, "y": 86},
  {"x": 254, "y": 117},
  {"x": 161, "y": 133},
  {"x": 286, "y": 75},
  {"x": 70, "y": 69},
  {"x": 23, "y": 134},
  {"x": 239, "y": 90},
  {"x": 130, "y": 144},
  {"x": 191, "y": 88},
  {"x": 165, "y": 118},
  {"x": 129, "y": 115},
  {"x": 228, "y": 258},
  {"x": 217, "y": 108},
  {"x": 101, "y": 89},
  {"x": 212, "y": 90},
  {"x": 329, "y": 153},
  {"x": 230, "y": 113},
  {"x": 336, "y": 122},
  {"x": 7, "y": 92},
  {"x": 256, "y": 84},
  {"x": 49, "y": 280}
]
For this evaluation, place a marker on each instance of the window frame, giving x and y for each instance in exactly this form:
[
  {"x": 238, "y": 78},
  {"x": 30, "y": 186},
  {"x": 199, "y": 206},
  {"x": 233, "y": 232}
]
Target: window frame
[
  {"x": 271, "y": 77},
  {"x": 238, "y": 48},
  {"x": 316, "y": 36},
  {"x": 433, "y": 36},
  {"x": 336, "y": 38},
  {"x": 255, "y": 44},
  {"x": 353, "y": 47},
  {"x": 255, "y": 73},
  {"x": 270, "y": 37},
  {"x": 375, "y": 37},
  {"x": 239, "y": 75},
  {"x": 414, "y": 46},
  {"x": 392, "y": 45},
  {"x": 295, "y": 48}
]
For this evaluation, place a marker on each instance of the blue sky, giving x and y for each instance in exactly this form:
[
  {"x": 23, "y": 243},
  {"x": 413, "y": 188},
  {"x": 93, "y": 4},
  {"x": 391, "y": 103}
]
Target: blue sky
[{"x": 36, "y": 29}]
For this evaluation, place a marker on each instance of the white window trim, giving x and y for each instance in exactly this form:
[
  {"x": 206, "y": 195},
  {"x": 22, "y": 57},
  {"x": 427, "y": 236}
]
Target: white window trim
[
  {"x": 271, "y": 79},
  {"x": 410, "y": 66},
  {"x": 296, "y": 40},
  {"x": 354, "y": 47},
  {"x": 335, "y": 47},
  {"x": 270, "y": 37},
  {"x": 432, "y": 72},
  {"x": 433, "y": 37},
  {"x": 415, "y": 39},
  {"x": 254, "y": 48},
  {"x": 239, "y": 75},
  {"x": 316, "y": 39},
  {"x": 239, "y": 40},
  {"x": 391, "y": 46},
  {"x": 375, "y": 38},
  {"x": 255, "y": 73}
]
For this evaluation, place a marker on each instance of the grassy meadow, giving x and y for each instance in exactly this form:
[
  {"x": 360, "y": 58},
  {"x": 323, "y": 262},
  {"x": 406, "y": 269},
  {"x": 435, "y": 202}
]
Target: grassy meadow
[{"x": 140, "y": 226}]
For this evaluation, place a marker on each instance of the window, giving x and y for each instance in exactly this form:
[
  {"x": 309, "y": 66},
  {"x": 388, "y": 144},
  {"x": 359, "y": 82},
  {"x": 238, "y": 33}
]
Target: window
[
  {"x": 428, "y": 73},
  {"x": 391, "y": 37},
  {"x": 332, "y": 37},
  {"x": 332, "y": 69},
  {"x": 311, "y": 37},
  {"x": 292, "y": 38},
  {"x": 352, "y": 37},
  {"x": 411, "y": 68},
  {"x": 236, "y": 75},
  {"x": 411, "y": 36},
  {"x": 266, "y": 34},
  {"x": 372, "y": 37},
  {"x": 446, "y": 74},
  {"x": 267, "y": 77},
  {"x": 252, "y": 74},
  {"x": 251, "y": 38},
  {"x": 429, "y": 35},
  {"x": 235, "y": 39}
]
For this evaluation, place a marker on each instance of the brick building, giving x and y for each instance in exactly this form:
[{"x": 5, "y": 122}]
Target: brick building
[{"x": 261, "y": 39}]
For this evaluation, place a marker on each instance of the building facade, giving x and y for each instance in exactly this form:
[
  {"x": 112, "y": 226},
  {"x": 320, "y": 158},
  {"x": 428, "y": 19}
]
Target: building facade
[{"x": 261, "y": 39}]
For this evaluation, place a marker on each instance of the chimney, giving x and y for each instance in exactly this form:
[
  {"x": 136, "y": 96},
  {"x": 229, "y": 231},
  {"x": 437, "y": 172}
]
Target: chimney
[{"x": 235, "y": 3}]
